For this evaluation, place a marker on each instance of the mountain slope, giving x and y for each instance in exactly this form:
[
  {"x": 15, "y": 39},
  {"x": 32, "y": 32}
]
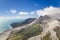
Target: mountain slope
[
  {"x": 40, "y": 29},
  {"x": 26, "y": 33},
  {"x": 27, "y": 21}
]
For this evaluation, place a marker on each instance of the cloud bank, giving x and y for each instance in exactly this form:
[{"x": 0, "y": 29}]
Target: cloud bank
[{"x": 50, "y": 11}]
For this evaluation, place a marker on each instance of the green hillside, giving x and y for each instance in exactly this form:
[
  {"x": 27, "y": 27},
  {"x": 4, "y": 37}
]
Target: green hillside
[
  {"x": 26, "y": 33},
  {"x": 57, "y": 32}
]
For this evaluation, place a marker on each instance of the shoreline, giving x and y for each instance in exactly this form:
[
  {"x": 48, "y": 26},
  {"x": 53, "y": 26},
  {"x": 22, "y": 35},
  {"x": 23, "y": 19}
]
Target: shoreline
[
  {"x": 6, "y": 30},
  {"x": 5, "y": 34}
]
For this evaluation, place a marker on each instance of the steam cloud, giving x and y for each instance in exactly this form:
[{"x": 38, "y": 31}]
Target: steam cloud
[{"x": 51, "y": 11}]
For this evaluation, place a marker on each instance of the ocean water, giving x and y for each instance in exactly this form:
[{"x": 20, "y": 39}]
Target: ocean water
[{"x": 6, "y": 22}]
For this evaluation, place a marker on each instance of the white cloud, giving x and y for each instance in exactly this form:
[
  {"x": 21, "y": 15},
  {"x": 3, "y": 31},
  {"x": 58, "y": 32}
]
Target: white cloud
[
  {"x": 50, "y": 11},
  {"x": 33, "y": 12},
  {"x": 39, "y": 12},
  {"x": 23, "y": 13},
  {"x": 13, "y": 11}
]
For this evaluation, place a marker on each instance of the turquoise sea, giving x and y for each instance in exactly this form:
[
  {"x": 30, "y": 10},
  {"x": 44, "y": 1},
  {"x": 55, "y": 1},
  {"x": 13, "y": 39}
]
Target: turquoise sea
[{"x": 6, "y": 22}]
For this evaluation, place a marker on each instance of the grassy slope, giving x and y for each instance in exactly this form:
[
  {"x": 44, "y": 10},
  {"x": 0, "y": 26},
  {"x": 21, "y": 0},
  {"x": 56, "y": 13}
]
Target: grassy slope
[
  {"x": 47, "y": 37},
  {"x": 58, "y": 32},
  {"x": 26, "y": 33}
]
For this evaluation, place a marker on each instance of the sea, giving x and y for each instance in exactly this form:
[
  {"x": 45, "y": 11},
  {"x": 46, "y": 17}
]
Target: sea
[{"x": 6, "y": 22}]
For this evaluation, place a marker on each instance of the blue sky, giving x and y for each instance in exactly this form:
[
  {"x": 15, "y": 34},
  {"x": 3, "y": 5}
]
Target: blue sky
[{"x": 25, "y": 7}]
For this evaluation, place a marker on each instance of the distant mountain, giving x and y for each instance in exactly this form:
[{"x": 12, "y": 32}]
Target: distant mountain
[{"x": 27, "y": 21}]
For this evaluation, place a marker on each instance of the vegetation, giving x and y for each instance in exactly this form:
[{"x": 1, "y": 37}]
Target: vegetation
[
  {"x": 47, "y": 37},
  {"x": 26, "y": 33},
  {"x": 57, "y": 32}
]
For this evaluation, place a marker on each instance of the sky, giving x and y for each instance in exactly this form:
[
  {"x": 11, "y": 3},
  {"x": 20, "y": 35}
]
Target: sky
[{"x": 25, "y": 8}]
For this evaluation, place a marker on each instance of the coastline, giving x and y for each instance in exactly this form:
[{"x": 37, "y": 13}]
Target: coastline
[{"x": 5, "y": 34}]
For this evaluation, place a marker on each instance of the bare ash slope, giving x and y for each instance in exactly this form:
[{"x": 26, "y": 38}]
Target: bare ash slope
[{"x": 48, "y": 25}]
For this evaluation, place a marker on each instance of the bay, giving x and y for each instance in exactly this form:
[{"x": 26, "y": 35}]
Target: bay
[{"x": 6, "y": 22}]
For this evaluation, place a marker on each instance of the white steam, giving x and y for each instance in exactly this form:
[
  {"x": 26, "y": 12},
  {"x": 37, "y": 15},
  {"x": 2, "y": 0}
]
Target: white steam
[{"x": 51, "y": 11}]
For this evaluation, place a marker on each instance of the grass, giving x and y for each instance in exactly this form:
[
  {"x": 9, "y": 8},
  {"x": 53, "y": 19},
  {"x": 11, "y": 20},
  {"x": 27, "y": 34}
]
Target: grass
[
  {"x": 57, "y": 32},
  {"x": 47, "y": 37},
  {"x": 26, "y": 33}
]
